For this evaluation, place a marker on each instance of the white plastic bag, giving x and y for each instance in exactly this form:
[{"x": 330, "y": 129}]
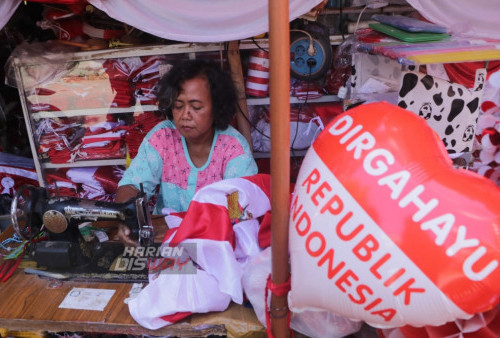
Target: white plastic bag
[{"x": 310, "y": 323}]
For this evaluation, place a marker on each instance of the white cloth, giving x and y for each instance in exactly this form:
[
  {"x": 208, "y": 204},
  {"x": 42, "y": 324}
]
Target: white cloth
[
  {"x": 477, "y": 19},
  {"x": 198, "y": 20},
  {"x": 310, "y": 323},
  {"x": 237, "y": 19},
  {"x": 7, "y": 9}
]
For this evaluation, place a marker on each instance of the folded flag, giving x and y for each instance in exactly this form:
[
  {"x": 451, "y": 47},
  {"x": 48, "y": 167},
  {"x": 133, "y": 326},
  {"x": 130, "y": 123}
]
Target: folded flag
[{"x": 219, "y": 232}]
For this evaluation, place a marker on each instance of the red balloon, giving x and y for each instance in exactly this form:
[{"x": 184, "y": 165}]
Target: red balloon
[{"x": 384, "y": 229}]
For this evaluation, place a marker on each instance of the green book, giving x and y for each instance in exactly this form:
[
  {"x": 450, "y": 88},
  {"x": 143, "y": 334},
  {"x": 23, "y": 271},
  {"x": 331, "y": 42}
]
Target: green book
[{"x": 408, "y": 36}]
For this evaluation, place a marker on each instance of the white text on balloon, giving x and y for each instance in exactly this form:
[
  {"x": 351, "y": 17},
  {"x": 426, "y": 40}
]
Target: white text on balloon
[{"x": 377, "y": 162}]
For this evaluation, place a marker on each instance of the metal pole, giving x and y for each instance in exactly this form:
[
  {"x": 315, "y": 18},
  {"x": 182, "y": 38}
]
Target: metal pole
[{"x": 279, "y": 89}]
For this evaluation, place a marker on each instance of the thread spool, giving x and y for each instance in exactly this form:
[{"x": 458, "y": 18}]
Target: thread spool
[{"x": 257, "y": 83}]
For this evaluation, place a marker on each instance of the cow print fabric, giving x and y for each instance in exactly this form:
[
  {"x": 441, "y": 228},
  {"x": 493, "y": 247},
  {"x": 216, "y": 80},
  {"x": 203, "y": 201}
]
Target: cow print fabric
[{"x": 449, "y": 108}]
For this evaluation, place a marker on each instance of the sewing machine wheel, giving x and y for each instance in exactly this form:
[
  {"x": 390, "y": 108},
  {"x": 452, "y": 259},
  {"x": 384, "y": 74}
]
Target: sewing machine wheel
[
  {"x": 55, "y": 221},
  {"x": 21, "y": 213}
]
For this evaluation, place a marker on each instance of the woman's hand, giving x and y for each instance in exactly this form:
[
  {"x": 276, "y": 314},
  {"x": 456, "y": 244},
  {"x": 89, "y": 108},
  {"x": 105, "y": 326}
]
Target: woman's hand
[
  {"x": 124, "y": 194},
  {"x": 123, "y": 235}
]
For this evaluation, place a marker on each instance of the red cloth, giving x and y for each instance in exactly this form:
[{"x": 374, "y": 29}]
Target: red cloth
[
  {"x": 202, "y": 214},
  {"x": 108, "y": 151},
  {"x": 58, "y": 183},
  {"x": 108, "y": 177},
  {"x": 143, "y": 124},
  {"x": 327, "y": 111},
  {"x": 62, "y": 155},
  {"x": 465, "y": 73}
]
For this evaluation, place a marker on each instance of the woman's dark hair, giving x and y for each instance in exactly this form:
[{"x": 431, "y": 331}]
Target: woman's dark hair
[{"x": 222, "y": 89}]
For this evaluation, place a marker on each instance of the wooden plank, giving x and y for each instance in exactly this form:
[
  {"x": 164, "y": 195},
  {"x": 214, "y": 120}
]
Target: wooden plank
[
  {"x": 242, "y": 116},
  {"x": 31, "y": 303}
]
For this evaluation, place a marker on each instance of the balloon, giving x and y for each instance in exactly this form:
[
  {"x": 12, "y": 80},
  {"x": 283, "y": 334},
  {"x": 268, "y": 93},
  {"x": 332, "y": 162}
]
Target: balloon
[{"x": 384, "y": 229}]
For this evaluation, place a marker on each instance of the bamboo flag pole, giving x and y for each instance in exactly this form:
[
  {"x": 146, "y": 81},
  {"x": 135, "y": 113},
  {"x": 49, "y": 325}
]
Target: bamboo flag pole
[{"x": 279, "y": 89}]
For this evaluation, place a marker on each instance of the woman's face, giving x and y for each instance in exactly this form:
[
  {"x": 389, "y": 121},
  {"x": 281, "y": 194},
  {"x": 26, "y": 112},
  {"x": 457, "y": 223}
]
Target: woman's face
[{"x": 192, "y": 111}]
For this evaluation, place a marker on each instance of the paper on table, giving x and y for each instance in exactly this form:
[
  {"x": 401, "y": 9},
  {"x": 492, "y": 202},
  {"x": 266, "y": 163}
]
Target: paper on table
[{"x": 87, "y": 299}]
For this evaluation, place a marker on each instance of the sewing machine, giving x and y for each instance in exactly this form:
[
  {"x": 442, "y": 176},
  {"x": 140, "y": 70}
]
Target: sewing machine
[{"x": 70, "y": 227}]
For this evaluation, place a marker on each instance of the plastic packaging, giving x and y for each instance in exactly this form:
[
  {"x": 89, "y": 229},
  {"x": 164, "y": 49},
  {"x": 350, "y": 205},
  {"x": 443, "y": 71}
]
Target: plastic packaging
[{"x": 311, "y": 323}]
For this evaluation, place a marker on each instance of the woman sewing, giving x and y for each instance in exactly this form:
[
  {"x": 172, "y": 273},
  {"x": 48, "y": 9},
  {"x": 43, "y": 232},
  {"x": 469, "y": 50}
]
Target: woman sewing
[{"x": 194, "y": 146}]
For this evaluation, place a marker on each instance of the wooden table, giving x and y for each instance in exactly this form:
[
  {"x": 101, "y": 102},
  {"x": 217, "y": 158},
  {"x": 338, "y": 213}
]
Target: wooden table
[{"x": 31, "y": 303}]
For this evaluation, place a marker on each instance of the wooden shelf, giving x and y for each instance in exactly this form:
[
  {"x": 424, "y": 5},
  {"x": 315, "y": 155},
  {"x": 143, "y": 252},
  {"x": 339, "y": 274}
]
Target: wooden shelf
[
  {"x": 257, "y": 101},
  {"x": 93, "y": 111},
  {"x": 80, "y": 164},
  {"x": 177, "y": 50}
]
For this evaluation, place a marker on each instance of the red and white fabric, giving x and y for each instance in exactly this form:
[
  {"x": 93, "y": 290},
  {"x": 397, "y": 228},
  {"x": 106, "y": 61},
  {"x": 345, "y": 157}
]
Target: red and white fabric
[
  {"x": 96, "y": 182},
  {"x": 101, "y": 33},
  {"x": 15, "y": 171},
  {"x": 145, "y": 78},
  {"x": 304, "y": 90},
  {"x": 69, "y": 142},
  {"x": 148, "y": 69},
  {"x": 59, "y": 140},
  {"x": 59, "y": 184},
  {"x": 105, "y": 140},
  {"x": 104, "y": 137},
  {"x": 486, "y": 160},
  {"x": 217, "y": 238}
]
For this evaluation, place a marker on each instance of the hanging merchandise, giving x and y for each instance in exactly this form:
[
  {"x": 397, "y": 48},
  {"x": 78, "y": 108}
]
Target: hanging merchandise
[{"x": 384, "y": 225}]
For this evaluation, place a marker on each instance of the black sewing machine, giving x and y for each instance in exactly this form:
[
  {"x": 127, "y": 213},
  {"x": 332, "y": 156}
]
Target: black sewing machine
[{"x": 69, "y": 224}]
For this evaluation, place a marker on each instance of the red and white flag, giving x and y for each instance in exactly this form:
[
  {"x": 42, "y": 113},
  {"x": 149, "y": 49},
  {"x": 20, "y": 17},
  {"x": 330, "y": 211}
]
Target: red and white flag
[{"x": 220, "y": 231}]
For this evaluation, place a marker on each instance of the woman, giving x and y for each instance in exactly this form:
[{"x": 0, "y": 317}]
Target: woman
[{"x": 194, "y": 147}]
